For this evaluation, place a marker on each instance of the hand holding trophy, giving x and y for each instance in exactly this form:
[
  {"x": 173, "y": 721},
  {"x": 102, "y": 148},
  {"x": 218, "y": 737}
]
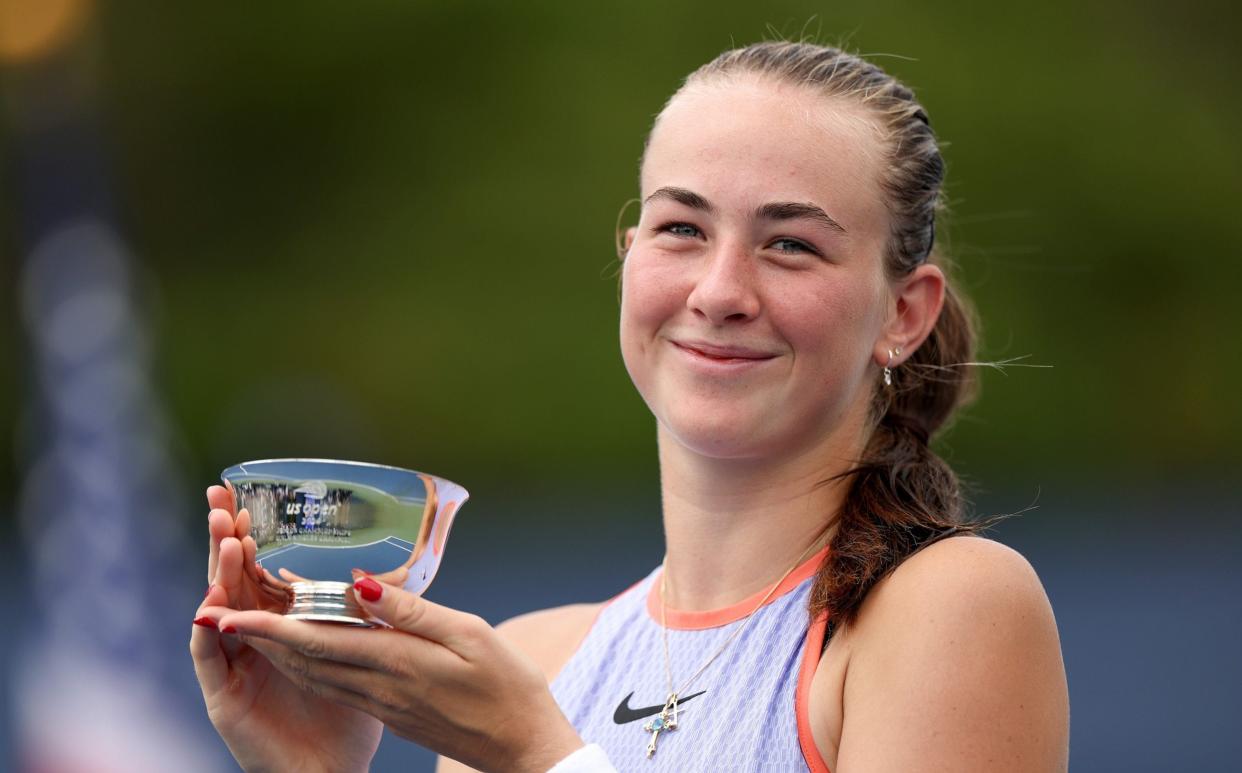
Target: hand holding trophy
[
  {"x": 286, "y": 537},
  {"x": 352, "y": 547},
  {"x": 264, "y": 715}
]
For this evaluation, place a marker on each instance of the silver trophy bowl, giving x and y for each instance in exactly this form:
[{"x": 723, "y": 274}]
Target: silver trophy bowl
[{"x": 318, "y": 523}]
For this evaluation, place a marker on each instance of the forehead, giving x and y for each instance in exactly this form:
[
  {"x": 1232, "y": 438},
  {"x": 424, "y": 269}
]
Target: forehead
[{"x": 743, "y": 143}]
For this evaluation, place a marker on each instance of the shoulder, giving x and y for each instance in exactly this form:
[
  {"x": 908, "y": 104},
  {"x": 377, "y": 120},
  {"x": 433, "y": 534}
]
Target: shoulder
[
  {"x": 955, "y": 662},
  {"x": 958, "y": 574},
  {"x": 550, "y": 636},
  {"x": 962, "y": 594}
]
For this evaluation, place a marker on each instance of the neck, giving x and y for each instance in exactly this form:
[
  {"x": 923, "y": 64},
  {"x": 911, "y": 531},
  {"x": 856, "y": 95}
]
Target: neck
[{"x": 734, "y": 527}]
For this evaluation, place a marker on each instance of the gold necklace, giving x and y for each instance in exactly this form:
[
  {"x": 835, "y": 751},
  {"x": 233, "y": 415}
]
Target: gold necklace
[{"x": 667, "y": 719}]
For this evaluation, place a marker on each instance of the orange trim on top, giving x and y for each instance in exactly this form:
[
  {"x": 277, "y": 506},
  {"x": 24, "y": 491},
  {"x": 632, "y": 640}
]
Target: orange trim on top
[
  {"x": 802, "y": 695},
  {"x": 714, "y": 618}
]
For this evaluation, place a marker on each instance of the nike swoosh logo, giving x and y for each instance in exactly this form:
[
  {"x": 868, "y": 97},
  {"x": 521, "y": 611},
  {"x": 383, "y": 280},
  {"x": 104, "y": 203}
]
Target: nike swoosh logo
[{"x": 624, "y": 714}]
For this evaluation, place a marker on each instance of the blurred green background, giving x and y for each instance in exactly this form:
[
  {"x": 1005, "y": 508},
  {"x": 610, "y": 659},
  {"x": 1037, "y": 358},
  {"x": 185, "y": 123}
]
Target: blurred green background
[{"x": 385, "y": 231}]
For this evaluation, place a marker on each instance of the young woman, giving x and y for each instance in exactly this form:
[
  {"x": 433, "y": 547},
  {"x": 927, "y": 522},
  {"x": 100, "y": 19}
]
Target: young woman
[{"x": 821, "y": 605}]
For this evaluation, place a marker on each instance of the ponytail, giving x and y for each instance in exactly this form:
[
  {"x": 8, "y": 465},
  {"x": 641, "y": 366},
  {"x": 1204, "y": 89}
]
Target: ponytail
[{"x": 902, "y": 495}]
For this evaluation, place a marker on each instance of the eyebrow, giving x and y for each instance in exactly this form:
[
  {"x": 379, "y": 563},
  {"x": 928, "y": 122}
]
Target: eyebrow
[
  {"x": 792, "y": 210},
  {"x": 681, "y": 196},
  {"x": 781, "y": 210}
]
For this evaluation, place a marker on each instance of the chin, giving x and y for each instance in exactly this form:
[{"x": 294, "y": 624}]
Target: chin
[{"x": 721, "y": 436}]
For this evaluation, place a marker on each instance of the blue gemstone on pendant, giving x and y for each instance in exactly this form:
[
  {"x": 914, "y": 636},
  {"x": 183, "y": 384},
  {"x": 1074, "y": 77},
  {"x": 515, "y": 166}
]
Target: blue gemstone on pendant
[{"x": 657, "y": 724}]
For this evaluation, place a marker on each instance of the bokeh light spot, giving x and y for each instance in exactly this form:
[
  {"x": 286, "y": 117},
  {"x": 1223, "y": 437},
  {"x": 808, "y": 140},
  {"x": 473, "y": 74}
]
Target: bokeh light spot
[{"x": 32, "y": 29}]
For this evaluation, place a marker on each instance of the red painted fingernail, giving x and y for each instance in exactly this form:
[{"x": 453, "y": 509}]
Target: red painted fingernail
[
  {"x": 228, "y": 629},
  {"x": 205, "y": 622},
  {"x": 369, "y": 589}
]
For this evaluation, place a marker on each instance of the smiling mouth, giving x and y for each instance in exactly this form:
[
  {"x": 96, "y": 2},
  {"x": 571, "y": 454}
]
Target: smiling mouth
[{"x": 722, "y": 354}]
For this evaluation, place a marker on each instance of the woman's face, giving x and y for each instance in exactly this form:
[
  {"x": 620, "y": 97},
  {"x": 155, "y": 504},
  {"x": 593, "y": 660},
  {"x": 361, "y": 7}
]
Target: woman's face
[{"x": 753, "y": 291}]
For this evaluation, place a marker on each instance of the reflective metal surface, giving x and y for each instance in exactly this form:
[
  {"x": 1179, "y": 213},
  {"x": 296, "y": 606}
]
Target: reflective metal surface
[{"x": 318, "y": 521}]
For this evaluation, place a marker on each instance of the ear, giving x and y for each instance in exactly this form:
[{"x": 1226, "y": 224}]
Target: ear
[
  {"x": 918, "y": 298},
  {"x": 624, "y": 241}
]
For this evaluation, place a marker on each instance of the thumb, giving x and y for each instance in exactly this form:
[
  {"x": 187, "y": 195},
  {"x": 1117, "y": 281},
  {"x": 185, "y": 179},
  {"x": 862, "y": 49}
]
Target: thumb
[{"x": 413, "y": 614}]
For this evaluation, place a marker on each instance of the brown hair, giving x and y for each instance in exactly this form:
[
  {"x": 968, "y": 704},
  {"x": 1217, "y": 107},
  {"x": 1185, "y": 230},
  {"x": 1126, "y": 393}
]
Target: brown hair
[{"x": 902, "y": 496}]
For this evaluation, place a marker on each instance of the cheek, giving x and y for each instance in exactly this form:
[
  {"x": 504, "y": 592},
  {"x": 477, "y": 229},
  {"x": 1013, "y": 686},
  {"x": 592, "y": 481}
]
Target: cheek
[
  {"x": 833, "y": 325},
  {"x": 650, "y": 296},
  {"x": 653, "y": 294}
]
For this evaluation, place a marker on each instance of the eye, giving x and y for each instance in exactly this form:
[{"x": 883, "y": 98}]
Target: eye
[
  {"x": 793, "y": 246},
  {"x": 684, "y": 230}
]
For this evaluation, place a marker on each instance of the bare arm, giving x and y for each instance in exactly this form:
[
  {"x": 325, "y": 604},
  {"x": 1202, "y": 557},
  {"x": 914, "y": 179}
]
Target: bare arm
[
  {"x": 549, "y": 637},
  {"x": 957, "y": 667}
]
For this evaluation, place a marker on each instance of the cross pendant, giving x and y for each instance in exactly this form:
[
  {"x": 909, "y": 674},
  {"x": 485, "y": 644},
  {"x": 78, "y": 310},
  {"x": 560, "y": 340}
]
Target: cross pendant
[{"x": 667, "y": 721}]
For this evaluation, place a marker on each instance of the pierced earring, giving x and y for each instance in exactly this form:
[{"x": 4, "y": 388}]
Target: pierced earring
[{"x": 888, "y": 372}]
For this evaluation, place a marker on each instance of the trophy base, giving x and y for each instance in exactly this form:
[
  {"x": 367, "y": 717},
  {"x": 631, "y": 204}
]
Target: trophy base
[{"x": 326, "y": 602}]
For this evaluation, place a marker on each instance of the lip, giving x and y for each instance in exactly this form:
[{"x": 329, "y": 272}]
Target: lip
[{"x": 717, "y": 353}]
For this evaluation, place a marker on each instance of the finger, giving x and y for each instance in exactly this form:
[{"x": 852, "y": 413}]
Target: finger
[
  {"x": 249, "y": 549},
  {"x": 222, "y": 498},
  {"x": 243, "y": 523},
  {"x": 214, "y": 607},
  {"x": 395, "y": 577},
  {"x": 249, "y": 546},
  {"x": 211, "y": 614},
  {"x": 289, "y": 576},
  {"x": 219, "y": 526},
  {"x": 341, "y": 682},
  {"x": 210, "y": 665},
  {"x": 358, "y": 646},
  {"x": 229, "y": 569},
  {"x": 216, "y": 597},
  {"x": 272, "y": 586},
  {"x": 458, "y": 631}
]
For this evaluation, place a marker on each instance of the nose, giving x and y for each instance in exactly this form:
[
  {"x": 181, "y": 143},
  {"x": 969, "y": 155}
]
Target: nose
[{"x": 724, "y": 291}]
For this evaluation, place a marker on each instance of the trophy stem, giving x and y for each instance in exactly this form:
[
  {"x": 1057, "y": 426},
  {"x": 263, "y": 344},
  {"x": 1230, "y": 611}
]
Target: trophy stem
[{"x": 328, "y": 602}]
